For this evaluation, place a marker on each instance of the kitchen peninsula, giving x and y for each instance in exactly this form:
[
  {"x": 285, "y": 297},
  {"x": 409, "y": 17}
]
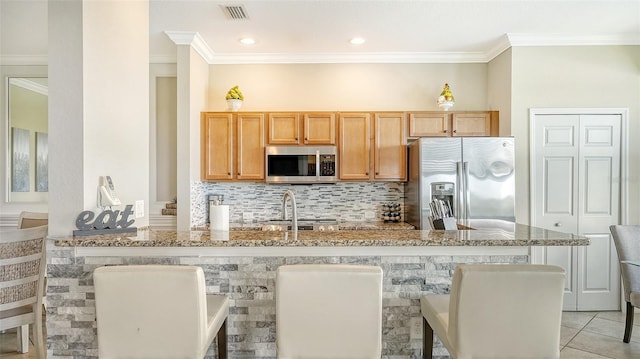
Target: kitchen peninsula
[{"x": 241, "y": 263}]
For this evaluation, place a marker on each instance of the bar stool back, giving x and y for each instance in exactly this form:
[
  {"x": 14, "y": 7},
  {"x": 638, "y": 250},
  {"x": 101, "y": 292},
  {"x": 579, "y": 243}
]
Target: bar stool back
[
  {"x": 498, "y": 311},
  {"x": 22, "y": 267},
  {"x": 157, "y": 311},
  {"x": 328, "y": 311}
]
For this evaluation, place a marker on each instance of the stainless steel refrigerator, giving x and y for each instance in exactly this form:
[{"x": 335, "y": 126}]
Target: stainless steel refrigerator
[{"x": 475, "y": 175}]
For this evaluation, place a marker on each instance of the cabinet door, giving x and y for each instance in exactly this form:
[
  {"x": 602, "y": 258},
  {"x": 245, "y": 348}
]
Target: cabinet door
[
  {"x": 390, "y": 147},
  {"x": 250, "y": 146},
  {"x": 471, "y": 124},
  {"x": 217, "y": 146},
  {"x": 355, "y": 132},
  {"x": 319, "y": 129},
  {"x": 429, "y": 125},
  {"x": 284, "y": 129}
]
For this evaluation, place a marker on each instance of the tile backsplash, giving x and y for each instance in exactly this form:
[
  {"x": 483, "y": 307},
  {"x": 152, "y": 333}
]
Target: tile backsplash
[{"x": 259, "y": 202}]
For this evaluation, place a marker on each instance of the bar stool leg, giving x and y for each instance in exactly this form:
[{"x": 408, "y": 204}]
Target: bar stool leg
[
  {"x": 222, "y": 341},
  {"x": 629, "y": 323},
  {"x": 427, "y": 340}
]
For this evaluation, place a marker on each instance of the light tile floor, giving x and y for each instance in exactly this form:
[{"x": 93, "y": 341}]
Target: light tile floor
[{"x": 584, "y": 335}]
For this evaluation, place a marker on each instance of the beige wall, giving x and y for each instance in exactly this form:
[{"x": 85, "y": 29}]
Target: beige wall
[
  {"x": 165, "y": 135},
  {"x": 575, "y": 77},
  {"x": 348, "y": 87},
  {"x": 499, "y": 89}
]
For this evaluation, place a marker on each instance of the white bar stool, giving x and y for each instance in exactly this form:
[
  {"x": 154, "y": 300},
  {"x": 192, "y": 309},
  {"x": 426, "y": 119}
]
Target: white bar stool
[
  {"x": 157, "y": 311},
  {"x": 498, "y": 311},
  {"x": 328, "y": 311}
]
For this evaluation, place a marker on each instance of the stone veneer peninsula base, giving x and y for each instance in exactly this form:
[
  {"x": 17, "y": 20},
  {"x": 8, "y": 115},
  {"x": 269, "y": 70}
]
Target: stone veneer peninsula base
[{"x": 242, "y": 265}]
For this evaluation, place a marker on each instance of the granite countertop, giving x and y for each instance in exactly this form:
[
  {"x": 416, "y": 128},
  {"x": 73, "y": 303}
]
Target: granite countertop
[
  {"x": 515, "y": 235},
  {"x": 343, "y": 226}
]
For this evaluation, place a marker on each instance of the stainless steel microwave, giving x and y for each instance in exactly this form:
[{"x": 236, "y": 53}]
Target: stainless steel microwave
[{"x": 301, "y": 164}]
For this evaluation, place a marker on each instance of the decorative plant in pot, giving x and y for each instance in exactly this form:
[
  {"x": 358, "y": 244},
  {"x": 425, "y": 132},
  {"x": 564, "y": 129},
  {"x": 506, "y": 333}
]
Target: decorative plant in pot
[
  {"x": 446, "y": 100},
  {"x": 234, "y": 98}
]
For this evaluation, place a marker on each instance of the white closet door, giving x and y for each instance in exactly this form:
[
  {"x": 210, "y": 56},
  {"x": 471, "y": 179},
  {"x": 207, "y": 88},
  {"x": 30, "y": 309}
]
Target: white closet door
[
  {"x": 575, "y": 171},
  {"x": 598, "y": 208},
  {"x": 555, "y": 169}
]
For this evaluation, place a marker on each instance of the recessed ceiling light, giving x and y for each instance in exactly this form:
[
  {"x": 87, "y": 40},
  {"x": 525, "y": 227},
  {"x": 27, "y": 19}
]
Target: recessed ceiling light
[
  {"x": 357, "y": 41},
  {"x": 247, "y": 41}
]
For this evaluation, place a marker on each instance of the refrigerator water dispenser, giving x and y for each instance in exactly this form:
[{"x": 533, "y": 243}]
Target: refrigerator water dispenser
[{"x": 444, "y": 191}]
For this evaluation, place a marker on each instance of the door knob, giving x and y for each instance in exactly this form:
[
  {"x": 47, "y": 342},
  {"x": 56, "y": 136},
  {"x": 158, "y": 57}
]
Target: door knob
[{"x": 558, "y": 224}]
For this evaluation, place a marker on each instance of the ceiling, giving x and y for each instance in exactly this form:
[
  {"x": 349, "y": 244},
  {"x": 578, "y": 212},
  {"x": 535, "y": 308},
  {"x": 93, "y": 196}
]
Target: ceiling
[{"x": 320, "y": 30}]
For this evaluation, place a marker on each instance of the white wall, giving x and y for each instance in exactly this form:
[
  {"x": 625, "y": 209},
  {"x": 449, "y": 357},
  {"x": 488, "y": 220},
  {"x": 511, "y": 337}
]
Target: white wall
[
  {"x": 192, "y": 89},
  {"x": 585, "y": 76},
  {"x": 99, "y": 105},
  {"x": 348, "y": 87},
  {"x": 66, "y": 146}
]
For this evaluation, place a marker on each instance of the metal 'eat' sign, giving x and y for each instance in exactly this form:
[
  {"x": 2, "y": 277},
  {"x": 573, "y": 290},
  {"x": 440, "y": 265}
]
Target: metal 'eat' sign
[{"x": 107, "y": 222}]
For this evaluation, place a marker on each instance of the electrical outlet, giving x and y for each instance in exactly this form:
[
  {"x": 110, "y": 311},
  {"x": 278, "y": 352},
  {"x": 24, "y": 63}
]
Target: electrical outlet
[
  {"x": 415, "y": 332},
  {"x": 247, "y": 216},
  {"x": 139, "y": 208}
]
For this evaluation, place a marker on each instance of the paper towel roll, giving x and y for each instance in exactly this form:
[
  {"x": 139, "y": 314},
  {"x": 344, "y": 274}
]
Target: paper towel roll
[{"x": 219, "y": 218}]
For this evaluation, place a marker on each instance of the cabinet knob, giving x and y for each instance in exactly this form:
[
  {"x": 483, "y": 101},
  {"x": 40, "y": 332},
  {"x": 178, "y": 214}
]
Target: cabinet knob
[
  {"x": 455, "y": 131},
  {"x": 558, "y": 224},
  {"x": 238, "y": 173},
  {"x": 296, "y": 138},
  {"x": 377, "y": 173},
  {"x": 228, "y": 173},
  {"x": 306, "y": 139},
  {"x": 445, "y": 131},
  {"x": 366, "y": 173}
]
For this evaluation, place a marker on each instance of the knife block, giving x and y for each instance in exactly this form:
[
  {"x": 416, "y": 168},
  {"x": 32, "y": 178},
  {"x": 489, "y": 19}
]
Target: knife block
[{"x": 447, "y": 223}]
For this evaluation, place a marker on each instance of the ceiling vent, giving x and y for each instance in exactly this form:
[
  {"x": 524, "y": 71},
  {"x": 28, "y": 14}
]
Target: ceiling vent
[{"x": 235, "y": 12}]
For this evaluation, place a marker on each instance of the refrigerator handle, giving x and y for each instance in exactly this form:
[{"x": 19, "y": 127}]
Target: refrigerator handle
[
  {"x": 459, "y": 213},
  {"x": 465, "y": 168}
]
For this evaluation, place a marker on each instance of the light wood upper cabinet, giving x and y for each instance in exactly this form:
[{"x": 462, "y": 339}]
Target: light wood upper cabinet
[
  {"x": 390, "y": 146},
  {"x": 284, "y": 129},
  {"x": 232, "y": 146},
  {"x": 471, "y": 124},
  {"x": 250, "y": 140},
  {"x": 354, "y": 146},
  {"x": 453, "y": 124},
  {"x": 290, "y": 128},
  {"x": 319, "y": 128},
  {"x": 429, "y": 125},
  {"x": 217, "y": 156}
]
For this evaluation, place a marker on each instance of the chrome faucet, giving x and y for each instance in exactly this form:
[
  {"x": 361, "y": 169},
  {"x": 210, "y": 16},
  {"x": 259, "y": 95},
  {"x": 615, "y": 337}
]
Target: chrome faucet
[{"x": 294, "y": 211}]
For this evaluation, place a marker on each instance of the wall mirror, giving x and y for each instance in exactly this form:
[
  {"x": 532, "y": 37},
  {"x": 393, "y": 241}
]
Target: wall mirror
[{"x": 27, "y": 139}]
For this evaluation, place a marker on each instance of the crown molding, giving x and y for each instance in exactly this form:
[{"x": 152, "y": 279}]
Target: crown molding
[
  {"x": 348, "y": 57},
  {"x": 24, "y": 60},
  {"x": 501, "y": 45},
  {"x": 573, "y": 40},
  {"x": 29, "y": 85},
  {"x": 194, "y": 40}
]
